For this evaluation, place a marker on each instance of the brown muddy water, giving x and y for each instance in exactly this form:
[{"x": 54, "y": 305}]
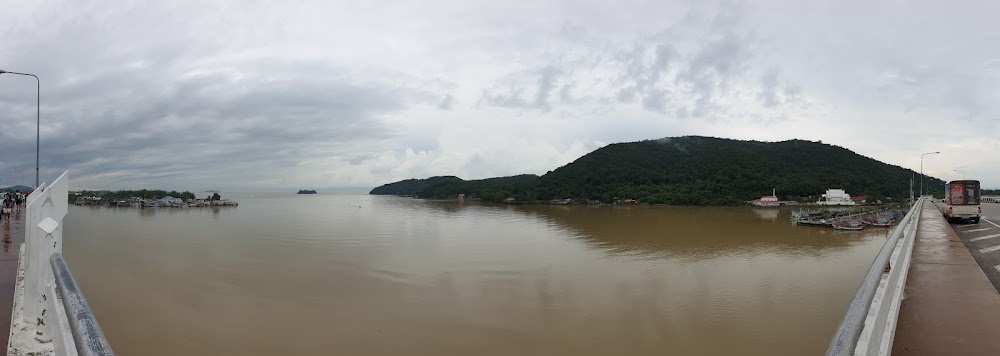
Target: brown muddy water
[{"x": 374, "y": 275}]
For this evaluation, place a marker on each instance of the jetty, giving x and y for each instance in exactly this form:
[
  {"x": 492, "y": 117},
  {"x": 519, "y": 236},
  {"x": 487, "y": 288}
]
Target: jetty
[{"x": 853, "y": 221}]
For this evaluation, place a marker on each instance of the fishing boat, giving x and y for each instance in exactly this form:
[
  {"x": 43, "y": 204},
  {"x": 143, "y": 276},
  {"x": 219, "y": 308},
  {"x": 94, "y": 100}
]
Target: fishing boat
[
  {"x": 883, "y": 223},
  {"x": 848, "y": 225},
  {"x": 820, "y": 223},
  {"x": 881, "y": 219}
]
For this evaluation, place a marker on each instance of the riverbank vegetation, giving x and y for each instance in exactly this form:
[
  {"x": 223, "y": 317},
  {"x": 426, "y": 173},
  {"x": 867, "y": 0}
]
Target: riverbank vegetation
[{"x": 147, "y": 194}]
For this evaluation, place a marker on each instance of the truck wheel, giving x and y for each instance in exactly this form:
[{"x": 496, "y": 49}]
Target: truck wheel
[{"x": 975, "y": 220}]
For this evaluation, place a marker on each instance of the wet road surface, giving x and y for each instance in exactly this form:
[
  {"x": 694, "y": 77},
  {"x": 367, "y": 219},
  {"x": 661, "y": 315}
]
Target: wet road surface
[
  {"x": 949, "y": 306},
  {"x": 983, "y": 241}
]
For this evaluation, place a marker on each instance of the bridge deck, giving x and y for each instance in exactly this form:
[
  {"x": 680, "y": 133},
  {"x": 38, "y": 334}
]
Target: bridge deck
[
  {"x": 950, "y": 307},
  {"x": 13, "y": 231}
]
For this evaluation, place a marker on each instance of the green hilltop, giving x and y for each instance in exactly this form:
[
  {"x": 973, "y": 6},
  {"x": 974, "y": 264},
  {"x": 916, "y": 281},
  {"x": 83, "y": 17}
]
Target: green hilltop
[{"x": 689, "y": 170}]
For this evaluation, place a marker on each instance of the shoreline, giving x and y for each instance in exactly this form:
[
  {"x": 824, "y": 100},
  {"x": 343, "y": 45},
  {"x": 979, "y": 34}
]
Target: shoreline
[{"x": 545, "y": 203}]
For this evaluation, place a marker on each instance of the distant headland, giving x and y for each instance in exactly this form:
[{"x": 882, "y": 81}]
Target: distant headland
[
  {"x": 304, "y": 191},
  {"x": 688, "y": 170}
]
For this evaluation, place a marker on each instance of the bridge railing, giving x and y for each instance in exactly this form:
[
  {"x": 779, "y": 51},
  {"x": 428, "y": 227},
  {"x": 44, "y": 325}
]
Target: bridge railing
[
  {"x": 50, "y": 313},
  {"x": 869, "y": 325}
]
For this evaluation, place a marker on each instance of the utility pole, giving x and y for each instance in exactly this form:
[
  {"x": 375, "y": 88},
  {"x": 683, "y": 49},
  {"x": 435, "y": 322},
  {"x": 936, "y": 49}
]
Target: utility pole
[{"x": 911, "y": 189}]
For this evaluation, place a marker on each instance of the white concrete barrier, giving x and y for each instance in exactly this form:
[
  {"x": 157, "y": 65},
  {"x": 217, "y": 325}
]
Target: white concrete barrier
[
  {"x": 869, "y": 325},
  {"x": 40, "y": 324}
]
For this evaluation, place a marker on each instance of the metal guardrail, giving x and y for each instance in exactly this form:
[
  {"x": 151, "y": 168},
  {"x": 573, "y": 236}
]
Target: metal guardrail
[
  {"x": 87, "y": 335},
  {"x": 869, "y": 324}
]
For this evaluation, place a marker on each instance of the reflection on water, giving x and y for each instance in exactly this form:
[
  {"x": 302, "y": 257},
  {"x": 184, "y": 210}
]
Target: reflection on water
[
  {"x": 355, "y": 274},
  {"x": 766, "y": 214}
]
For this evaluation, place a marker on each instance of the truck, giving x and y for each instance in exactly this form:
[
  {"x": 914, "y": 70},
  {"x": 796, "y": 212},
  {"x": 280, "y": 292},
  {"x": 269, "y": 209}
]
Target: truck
[{"x": 961, "y": 201}]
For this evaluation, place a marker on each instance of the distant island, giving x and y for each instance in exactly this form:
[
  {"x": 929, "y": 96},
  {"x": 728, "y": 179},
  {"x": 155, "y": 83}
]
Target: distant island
[
  {"x": 306, "y": 192},
  {"x": 688, "y": 170},
  {"x": 18, "y": 188}
]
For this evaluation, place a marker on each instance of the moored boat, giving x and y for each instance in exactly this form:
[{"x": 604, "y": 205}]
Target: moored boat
[
  {"x": 820, "y": 222},
  {"x": 848, "y": 225}
]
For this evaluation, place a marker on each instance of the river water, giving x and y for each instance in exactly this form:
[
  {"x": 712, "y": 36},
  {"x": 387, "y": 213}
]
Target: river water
[{"x": 377, "y": 275}]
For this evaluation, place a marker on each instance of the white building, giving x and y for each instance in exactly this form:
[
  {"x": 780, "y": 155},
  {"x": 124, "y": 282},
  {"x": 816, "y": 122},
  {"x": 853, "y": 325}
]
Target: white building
[{"x": 835, "y": 197}]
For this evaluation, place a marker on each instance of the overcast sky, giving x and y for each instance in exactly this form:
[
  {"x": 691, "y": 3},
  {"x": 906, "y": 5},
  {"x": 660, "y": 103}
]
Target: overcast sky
[{"x": 270, "y": 95}]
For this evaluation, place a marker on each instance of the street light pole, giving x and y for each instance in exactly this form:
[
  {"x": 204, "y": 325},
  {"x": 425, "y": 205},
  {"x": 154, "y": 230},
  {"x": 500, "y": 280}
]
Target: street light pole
[
  {"x": 922, "y": 171},
  {"x": 963, "y": 173},
  {"x": 38, "y": 116}
]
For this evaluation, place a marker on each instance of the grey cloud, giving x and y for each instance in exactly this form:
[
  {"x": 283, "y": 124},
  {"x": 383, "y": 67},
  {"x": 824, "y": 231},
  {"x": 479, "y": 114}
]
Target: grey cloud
[
  {"x": 565, "y": 93},
  {"x": 644, "y": 65},
  {"x": 708, "y": 73},
  {"x": 696, "y": 79},
  {"x": 513, "y": 96},
  {"x": 664, "y": 73},
  {"x": 723, "y": 55},
  {"x": 681, "y": 113},
  {"x": 446, "y": 102},
  {"x": 545, "y": 85},
  {"x": 669, "y": 74},
  {"x": 773, "y": 94},
  {"x": 769, "y": 89},
  {"x": 185, "y": 128},
  {"x": 183, "y": 109},
  {"x": 627, "y": 94},
  {"x": 922, "y": 87},
  {"x": 655, "y": 100}
]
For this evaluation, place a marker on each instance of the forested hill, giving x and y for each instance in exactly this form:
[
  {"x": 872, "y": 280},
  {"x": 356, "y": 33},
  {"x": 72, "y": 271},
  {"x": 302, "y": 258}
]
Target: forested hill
[
  {"x": 691, "y": 170},
  {"x": 450, "y": 186}
]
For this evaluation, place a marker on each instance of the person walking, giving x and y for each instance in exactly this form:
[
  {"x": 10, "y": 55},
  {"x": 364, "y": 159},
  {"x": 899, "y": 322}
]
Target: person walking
[
  {"x": 8, "y": 202},
  {"x": 18, "y": 200}
]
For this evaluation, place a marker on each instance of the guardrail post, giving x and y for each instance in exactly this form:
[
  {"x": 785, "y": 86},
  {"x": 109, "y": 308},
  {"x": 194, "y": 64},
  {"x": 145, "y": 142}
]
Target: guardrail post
[{"x": 47, "y": 206}]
